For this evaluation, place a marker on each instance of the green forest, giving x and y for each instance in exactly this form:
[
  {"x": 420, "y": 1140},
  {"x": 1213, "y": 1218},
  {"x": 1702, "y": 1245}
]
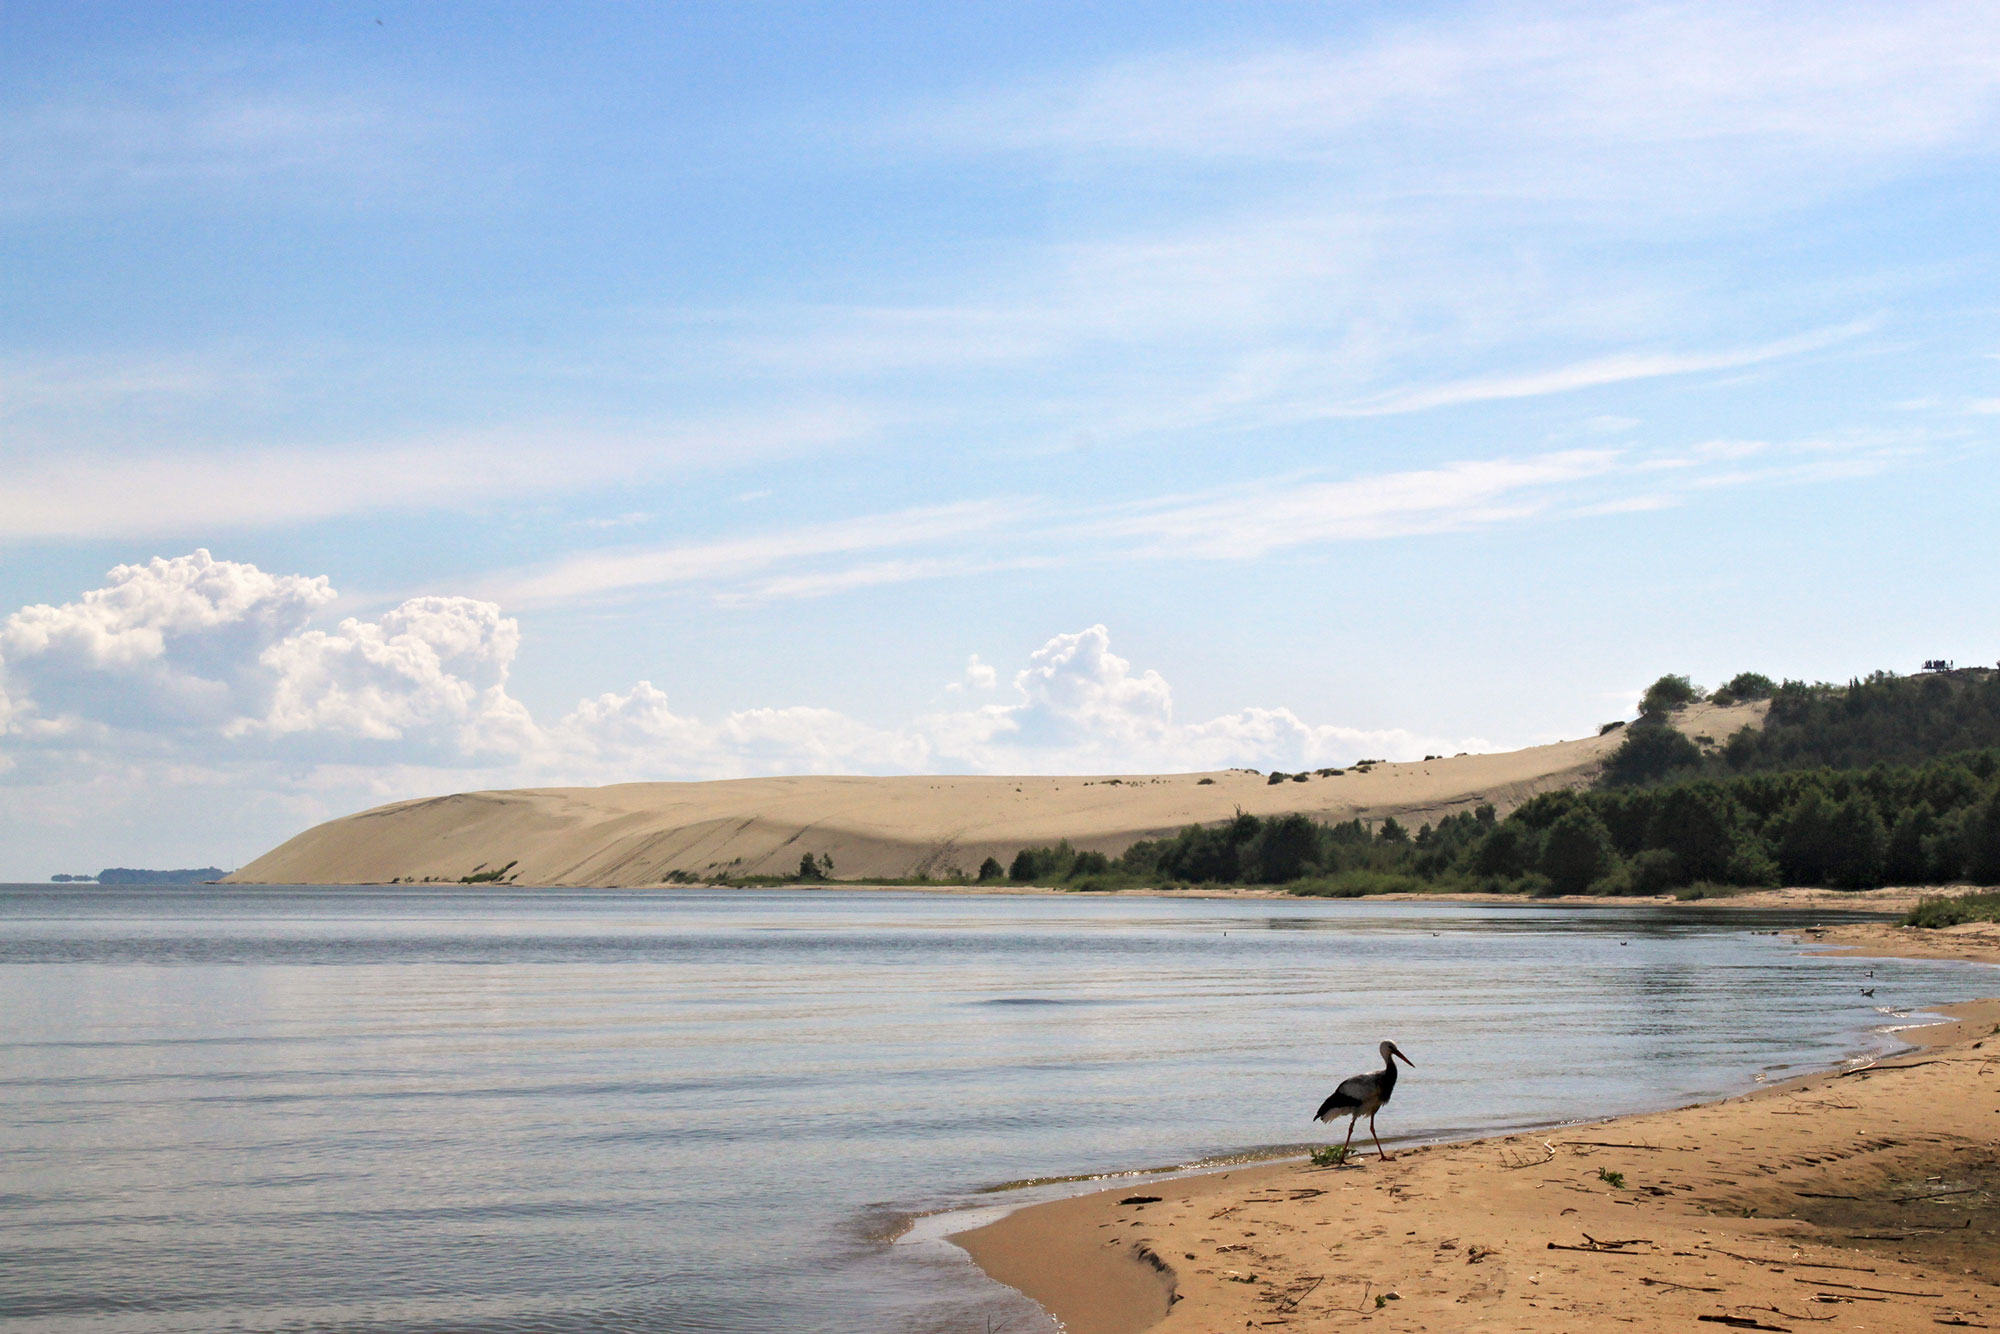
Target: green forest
[{"x": 1887, "y": 780}]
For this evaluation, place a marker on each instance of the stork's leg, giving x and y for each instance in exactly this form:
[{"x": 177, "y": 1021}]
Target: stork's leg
[
  {"x": 1350, "y": 1137},
  {"x": 1379, "y": 1151}
]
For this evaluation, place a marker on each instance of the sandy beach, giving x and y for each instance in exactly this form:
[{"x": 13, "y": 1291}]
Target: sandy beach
[{"x": 1854, "y": 1200}]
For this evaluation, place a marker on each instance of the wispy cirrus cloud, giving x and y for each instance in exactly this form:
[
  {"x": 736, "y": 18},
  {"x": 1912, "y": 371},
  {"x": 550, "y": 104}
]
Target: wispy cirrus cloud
[
  {"x": 206, "y": 120},
  {"x": 1586, "y": 97},
  {"x": 1243, "y": 521},
  {"x": 95, "y": 493},
  {"x": 743, "y": 565},
  {"x": 1593, "y": 373}
]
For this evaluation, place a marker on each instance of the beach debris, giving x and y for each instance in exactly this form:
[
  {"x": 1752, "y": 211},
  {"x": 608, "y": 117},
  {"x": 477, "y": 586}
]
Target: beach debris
[
  {"x": 1787, "y": 1315},
  {"x": 1474, "y": 1254},
  {"x": 1683, "y": 1287},
  {"x": 1140, "y": 1199},
  {"x": 1862, "y": 1287},
  {"x": 1616, "y": 1247},
  {"x": 1741, "y": 1322},
  {"x": 1514, "y": 1160},
  {"x": 1290, "y": 1299}
]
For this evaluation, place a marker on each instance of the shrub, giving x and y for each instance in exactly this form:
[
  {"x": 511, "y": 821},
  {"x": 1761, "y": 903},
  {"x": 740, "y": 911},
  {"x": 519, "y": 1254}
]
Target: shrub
[
  {"x": 1951, "y": 912},
  {"x": 990, "y": 870},
  {"x": 1089, "y": 863},
  {"x": 1275, "y": 778},
  {"x": 1392, "y": 831},
  {"x": 809, "y": 868},
  {"x": 1749, "y": 685},
  {"x": 1611, "y": 727},
  {"x": 1708, "y": 889},
  {"x": 1668, "y": 693},
  {"x": 1651, "y": 753},
  {"x": 1329, "y": 1155},
  {"x": 1357, "y": 884}
]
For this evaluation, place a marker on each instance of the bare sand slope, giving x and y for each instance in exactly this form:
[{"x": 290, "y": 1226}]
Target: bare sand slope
[
  {"x": 1861, "y": 1201},
  {"x": 638, "y": 833}
]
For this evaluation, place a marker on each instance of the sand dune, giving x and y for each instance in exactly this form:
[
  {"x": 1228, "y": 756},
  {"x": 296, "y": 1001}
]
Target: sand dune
[{"x": 634, "y": 834}]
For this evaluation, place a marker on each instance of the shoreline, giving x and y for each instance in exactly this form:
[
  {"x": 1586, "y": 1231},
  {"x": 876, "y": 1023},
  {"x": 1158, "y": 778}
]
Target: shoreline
[
  {"x": 1778, "y": 1207},
  {"x": 1886, "y": 900}
]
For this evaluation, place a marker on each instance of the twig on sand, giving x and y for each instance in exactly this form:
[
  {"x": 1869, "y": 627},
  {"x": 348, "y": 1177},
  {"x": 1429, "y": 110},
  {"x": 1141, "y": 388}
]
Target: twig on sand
[
  {"x": 1816, "y": 1319},
  {"x": 1666, "y": 1283},
  {"x": 1795, "y": 1264},
  {"x": 1876, "y": 1069},
  {"x": 1886, "y": 1199},
  {"x": 1596, "y": 1247},
  {"x": 1862, "y": 1287},
  {"x": 1608, "y": 1144},
  {"x": 1741, "y": 1322},
  {"x": 1549, "y": 1148},
  {"x": 1292, "y": 1300}
]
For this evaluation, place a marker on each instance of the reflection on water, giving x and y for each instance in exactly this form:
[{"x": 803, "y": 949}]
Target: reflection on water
[{"x": 691, "y": 1110}]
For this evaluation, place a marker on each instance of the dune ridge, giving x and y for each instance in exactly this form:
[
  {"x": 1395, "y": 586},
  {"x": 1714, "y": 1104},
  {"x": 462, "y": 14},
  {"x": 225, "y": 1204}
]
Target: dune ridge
[{"x": 634, "y": 834}]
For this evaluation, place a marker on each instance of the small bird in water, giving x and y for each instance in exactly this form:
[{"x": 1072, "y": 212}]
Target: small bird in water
[
  {"x": 1867, "y": 991},
  {"x": 1364, "y": 1095}
]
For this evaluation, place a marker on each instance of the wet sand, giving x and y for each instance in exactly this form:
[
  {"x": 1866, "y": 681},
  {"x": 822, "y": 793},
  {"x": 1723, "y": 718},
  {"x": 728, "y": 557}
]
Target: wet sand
[{"x": 1857, "y": 1200}]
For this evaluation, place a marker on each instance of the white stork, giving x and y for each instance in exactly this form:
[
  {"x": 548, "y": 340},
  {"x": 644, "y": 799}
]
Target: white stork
[{"x": 1363, "y": 1095}]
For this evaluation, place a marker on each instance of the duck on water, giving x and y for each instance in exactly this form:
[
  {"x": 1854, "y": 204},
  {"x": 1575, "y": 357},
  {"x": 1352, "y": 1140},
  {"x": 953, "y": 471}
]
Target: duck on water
[{"x": 1364, "y": 1095}]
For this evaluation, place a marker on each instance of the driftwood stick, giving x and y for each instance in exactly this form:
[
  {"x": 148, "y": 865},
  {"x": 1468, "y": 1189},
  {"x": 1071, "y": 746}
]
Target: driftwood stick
[
  {"x": 1885, "y": 1199},
  {"x": 1591, "y": 1250},
  {"x": 1684, "y": 1287},
  {"x": 1862, "y": 1287},
  {"x": 1608, "y": 1144},
  {"x": 1879, "y": 1069},
  {"x": 1798, "y": 1264},
  {"x": 1816, "y": 1319},
  {"x": 1628, "y": 1241}
]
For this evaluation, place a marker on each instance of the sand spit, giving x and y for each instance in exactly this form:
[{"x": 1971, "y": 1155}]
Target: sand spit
[
  {"x": 1858, "y": 1200},
  {"x": 635, "y": 834}
]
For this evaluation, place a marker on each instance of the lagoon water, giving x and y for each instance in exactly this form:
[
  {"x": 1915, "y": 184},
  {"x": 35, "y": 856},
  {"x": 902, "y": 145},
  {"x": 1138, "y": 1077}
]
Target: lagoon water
[{"x": 429, "y": 1110}]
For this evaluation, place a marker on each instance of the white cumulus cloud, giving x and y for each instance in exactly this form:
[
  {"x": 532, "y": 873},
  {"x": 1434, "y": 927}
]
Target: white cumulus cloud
[{"x": 204, "y": 686}]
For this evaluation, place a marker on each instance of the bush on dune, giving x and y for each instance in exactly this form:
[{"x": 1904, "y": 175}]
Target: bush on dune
[{"x": 1953, "y": 912}]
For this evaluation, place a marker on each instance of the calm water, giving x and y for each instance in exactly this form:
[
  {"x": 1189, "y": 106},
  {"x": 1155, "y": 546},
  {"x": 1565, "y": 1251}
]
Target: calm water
[{"x": 374, "y": 1111}]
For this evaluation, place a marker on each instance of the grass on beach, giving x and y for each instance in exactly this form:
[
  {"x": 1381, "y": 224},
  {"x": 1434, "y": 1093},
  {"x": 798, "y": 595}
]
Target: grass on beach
[{"x": 1951, "y": 912}]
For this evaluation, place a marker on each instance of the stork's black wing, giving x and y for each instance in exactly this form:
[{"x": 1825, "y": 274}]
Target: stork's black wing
[{"x": 1351, "y": 1094}]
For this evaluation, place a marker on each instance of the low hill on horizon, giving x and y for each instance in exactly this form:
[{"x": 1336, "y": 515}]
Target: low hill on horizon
[{"x": 629, "y": 835}]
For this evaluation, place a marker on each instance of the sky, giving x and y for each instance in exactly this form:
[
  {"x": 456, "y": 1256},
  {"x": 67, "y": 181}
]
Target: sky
[{"x": 403, "y": 399}]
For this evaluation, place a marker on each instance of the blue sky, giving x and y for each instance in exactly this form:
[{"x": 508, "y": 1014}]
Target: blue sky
[{"x": 689, "y": 391}]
